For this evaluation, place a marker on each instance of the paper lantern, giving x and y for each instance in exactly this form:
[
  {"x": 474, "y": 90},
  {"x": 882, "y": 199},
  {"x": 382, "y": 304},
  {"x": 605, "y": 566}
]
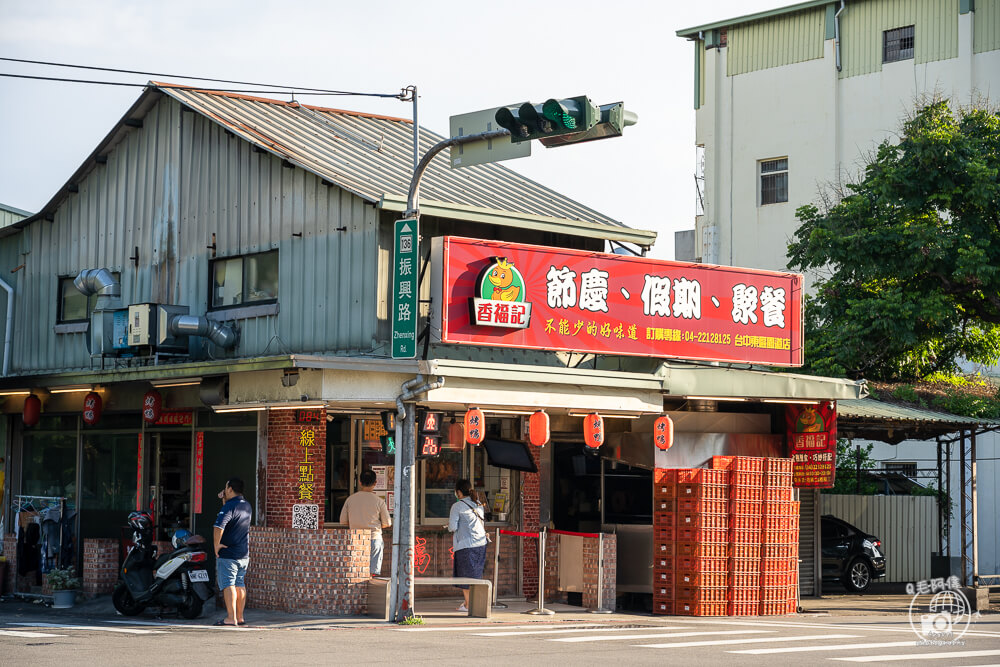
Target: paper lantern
[
  {"x": 663, "y": 433},
  {"x": 475, "y": 426},
  {"x": 593, "y": 430},
  {"x": 92, "y": 405},
  {"x": 538, "y": 428},
  {"x": 152, "y": 406},
  {"x": 32, "y": 410}
]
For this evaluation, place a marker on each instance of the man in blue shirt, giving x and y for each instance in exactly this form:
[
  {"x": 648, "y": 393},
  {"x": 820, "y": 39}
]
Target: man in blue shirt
[{"x": 232, "y": 550}]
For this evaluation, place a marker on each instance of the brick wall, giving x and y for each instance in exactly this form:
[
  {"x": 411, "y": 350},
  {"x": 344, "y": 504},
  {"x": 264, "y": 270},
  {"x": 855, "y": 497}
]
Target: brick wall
[
  {"x": 100, "y": 566},
  {"x": 530, "y": 496},
  {"x": 285, "y": 457},
  {"x": 10, "y": 552},
  {"x": 309, "y": 571},
  {"x": 609, "y": 578}
]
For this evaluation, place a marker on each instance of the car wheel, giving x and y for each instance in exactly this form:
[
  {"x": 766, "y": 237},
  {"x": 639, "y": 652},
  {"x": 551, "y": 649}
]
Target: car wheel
[{"x": 859, "y": 576}]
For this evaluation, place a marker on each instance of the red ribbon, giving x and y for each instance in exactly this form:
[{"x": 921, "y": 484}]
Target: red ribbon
[
  {"x": 514, "y": 532},
  {"x": 567, "y": 532}
]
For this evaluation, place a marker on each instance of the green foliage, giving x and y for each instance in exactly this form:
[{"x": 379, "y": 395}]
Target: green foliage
[
  {"x": 906, "y": 393},
  {"x": 846, "y": 482},
  {"x": 412, "y": 620},
  {"x": 62, "y": 579},
  {"x": 910, "y": 255}
]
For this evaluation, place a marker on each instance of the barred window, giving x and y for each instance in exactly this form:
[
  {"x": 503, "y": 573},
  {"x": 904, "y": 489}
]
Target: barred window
[
  {"x": 773, "y": 181},
  {"x": 897, "y": 44},
  {"x": 908, "y": 469}
]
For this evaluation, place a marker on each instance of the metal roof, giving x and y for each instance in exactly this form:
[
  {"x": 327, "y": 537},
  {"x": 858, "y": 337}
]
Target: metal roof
[{"x": 892, "y": 423}]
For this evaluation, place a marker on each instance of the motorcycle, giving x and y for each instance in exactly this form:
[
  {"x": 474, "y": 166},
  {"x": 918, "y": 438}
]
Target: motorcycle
[{"x": 177, "y": 579}]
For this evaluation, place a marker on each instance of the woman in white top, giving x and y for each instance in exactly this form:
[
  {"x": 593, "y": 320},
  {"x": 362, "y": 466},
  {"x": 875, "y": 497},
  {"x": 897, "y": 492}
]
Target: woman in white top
[{"x": 468, "y": 524}]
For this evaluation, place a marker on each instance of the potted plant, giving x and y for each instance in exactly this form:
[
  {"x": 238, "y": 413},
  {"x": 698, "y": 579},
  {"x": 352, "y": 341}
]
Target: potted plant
[{"x": 63, "y": 583}]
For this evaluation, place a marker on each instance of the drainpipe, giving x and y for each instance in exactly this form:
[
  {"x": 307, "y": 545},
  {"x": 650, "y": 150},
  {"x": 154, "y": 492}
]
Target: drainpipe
[
  {"x": 401, "y": 583},
  {"x": 9, "y": 325},
  {"x": 836, "y": 32}
]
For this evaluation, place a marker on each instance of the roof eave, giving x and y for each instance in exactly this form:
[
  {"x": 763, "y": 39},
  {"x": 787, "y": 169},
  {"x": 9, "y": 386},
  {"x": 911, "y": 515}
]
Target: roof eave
[{"x": 790, "y": 9}]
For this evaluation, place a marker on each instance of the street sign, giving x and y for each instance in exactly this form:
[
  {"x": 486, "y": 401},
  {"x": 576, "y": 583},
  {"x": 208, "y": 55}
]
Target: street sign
[
  {"x": 406, "y": 242},
  {"x": 487, "y": 150}
]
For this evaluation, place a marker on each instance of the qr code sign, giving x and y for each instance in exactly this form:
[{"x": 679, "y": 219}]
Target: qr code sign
[
  {"x": 305, "y": 516},
  {"x": 406, "y": 243}
]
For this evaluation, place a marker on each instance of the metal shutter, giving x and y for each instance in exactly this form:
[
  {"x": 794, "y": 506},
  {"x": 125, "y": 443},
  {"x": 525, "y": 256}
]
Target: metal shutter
[{"x": 808, "y": 542}]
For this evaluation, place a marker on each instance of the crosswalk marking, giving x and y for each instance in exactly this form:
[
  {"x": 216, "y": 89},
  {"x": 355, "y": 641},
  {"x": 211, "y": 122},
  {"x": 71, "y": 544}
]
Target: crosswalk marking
[
  {"x": 25, "y": 633},
  {"x": 945, "y": 655},
  {"x": 99, "y": 628},
  {"x": 660, "y": 635},
  {"x": 566, "y": 630},
  {"x": 856, "y": 627},
  {"x": 466, "y": 628},
  {"x": 832, "y": 647},
  {"x": 744, "y": 640}
]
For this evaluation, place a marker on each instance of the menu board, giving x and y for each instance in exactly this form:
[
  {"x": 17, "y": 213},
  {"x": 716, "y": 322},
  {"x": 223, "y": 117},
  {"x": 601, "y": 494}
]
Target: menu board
[{"x": 812, "y": 440}]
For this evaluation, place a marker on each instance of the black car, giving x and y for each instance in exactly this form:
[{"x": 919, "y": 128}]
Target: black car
[{"x": 850, "y": 555}]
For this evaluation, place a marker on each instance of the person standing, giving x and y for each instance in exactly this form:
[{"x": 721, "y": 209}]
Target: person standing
[
  {"x": 468, "y": 523},
  {"x": 364, "y": 510},
  {"x": 232, "y": 550}
]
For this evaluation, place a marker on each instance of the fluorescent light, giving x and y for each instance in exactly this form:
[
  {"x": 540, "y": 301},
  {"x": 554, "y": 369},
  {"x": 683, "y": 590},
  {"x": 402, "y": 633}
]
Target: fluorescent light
[
  {"x": 238, "y": 408},
  {"x": 790, "y": 401},
  {"x": 179, "y": 382},
  {"x": 71, "y": 389},
  {"x": 15, "y": 392},
  {"x": 609, "y": 415},
  {"x": 297, "y": 406},
  {"x": 508, "y": 412},
  {"x": 715, "y": 398}
]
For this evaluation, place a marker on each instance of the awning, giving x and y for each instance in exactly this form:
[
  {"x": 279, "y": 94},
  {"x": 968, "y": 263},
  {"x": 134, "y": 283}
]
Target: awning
[
  {"x": 705, "y": 380},
  {"x": 876, "y": 420}
]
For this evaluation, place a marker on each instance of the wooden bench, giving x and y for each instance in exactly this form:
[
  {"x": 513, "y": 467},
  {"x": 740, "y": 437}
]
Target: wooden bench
[{"x": 480, "y": 594}]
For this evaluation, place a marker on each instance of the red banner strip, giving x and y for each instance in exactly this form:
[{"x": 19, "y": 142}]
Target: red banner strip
[
  {"x": 516, "y": 533},
  {"x": 569, "y": 532}
]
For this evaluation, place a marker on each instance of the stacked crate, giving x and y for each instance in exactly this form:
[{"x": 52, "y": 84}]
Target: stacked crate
[
  {"x": 664, "y": 506},
  {"x": 746, "y": 493},
  {"x": 780, "y": 540}
]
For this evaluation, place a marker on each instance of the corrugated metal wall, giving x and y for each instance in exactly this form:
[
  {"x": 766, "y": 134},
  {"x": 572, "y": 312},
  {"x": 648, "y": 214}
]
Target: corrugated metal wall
[
  {"x": 862, "y": 24},
  {"x": 808, "y": 542},
  {"x": 907, "y": 526},
  {"x": 986, "y": 26},
  {"x": 166, "y": 188},
  {"x": 782, "y": 40},
  {"x": 9, "y": 217}
]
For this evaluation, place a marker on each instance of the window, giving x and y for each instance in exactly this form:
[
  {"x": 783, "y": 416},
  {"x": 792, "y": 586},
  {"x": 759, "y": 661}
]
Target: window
[
  {"x": 249, "y": 279},
  {"x": 773, "y": 181},
  {"x": 897, "y": 44},
  {"x": 73, "y": 305},
  {"x": 907, "y": 469}
]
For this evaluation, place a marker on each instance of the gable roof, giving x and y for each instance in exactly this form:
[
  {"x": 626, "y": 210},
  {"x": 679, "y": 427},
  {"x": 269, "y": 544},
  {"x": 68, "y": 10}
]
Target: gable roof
[{"x": 371, "y": 156}]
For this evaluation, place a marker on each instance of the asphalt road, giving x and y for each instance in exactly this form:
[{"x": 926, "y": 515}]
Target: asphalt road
[{"x": 40, "y": 639}]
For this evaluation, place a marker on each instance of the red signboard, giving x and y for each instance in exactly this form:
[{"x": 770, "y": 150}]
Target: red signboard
[
  {"x": 812, "y": 439},
  {"x": 138, "y": 478},
  {"x": 175, "y": 418},
  {"x": 199, "y": 465},
  {"x": 514, "y": 295}
]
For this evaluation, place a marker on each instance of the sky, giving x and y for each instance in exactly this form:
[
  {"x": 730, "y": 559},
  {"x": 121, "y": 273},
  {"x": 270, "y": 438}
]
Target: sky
[{"x": 463, "y": 56}]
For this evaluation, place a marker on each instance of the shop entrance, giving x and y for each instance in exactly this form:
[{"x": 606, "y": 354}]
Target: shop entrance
[{"x": 171, "y": 482}]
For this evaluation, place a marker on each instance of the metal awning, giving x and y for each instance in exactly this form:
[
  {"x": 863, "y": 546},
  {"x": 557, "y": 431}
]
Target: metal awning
[
  {"x": 888, "y": 422},
  {"x": 705, "y": 380}
]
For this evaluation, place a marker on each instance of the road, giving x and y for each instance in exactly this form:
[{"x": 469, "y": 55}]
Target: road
[{"x": 41, "y": 640}]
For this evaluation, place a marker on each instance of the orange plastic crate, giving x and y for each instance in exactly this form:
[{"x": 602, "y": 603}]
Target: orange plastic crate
[
  {"x": 665, "y": 476},
  {"x": 662, "y": 578},
  {"x": 702, "y": 549},
  {"x": 664, "y": 505},
  {"x": 749, "y": 464},
  {"x": 745, "y": 507},
  {"x": 665, "y": 591},
  {"x": 780, "y": 551},
  {"x": 777, "y": 608},
  {"x": 702, "y": 520},
  {"x": 774, "y": 593},
  {"x": 702, "y": 505},
  {"x": 700, "y": 593},
  {"x": 703, "y": 491},
  {"x": 701, "y": 564},
  {"x": 664, "y": 519},
  {"x": 700, "y": 578},
  {"x": 780, "y": 537},
  {"x": 751, "y": 493},
  {"x": 700, "y": 608},
  {"x": 747, "y": 579},
  {"x": 662, "y": 549},
  {"x": 744, "y": 565},
  {"x": 745, "y": 550},
  {"x": 778, "y": 466},
  {"x": 746, "y": 478},
  {"x": 770, "y": 579},
  {"x": 663, "y": 563},
  {"x": 664, "y": 533},
  {"x": 742, "y": 608},
  {"x": 778, "y": 479},
  {"x": 663, "y": 491},
  {"x": 744, "y": 594},
  {"x": 775, "y": 521},
  {"x": 702, "y": 476},
  {"x": 663, "y": 606},
  {"x": 780, "y": 565},
  {"x": 777, "y": 494},
  {"x": 777, "y": 508},
  {"x": 744, "y": 522},
  {"x": 708, "y": 535},
  {"x": 740, "y": 536},
  {"x": 722, "y": 462}
]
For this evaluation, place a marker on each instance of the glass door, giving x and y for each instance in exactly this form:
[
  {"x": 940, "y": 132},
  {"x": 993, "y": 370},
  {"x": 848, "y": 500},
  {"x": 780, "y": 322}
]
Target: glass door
[{"x": 172, "y": 483}]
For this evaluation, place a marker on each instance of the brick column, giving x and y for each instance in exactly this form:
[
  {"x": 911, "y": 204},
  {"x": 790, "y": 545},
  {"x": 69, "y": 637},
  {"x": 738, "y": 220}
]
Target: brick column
[
  {"x": 609, "y": 577},
  {"x": 287, "y": 483},
  {"x": 530, "y": 506},
  {"x": 10, "y": 552},
  {"x": 100, "y": 566}
]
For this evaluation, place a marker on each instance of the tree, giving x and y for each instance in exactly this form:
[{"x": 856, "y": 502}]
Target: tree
[{"x": 909, "y": 258}]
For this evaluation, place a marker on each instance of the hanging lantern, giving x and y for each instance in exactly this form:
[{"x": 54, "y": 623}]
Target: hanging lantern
[
  {"x": 593, "y": 430},
  {"x": 538, "y": 428},
  {"x": 456, "y": 435},
  {"x": 32, "y": 410},
  {"x": 92, "y": 405},
  {"x": 663, "y": 433},
  {"x": 475, "y": 426},
  {"x": 152, "y": 406}
]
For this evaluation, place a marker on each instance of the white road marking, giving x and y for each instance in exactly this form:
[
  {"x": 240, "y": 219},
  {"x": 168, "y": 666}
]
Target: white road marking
[
  {"x": 660, "y": 636},
  {"x": 946, "y": 655},
  {"x": 23, "y": 633},
  {"x": 564, "y": 630},
  {"x": 834, "y": 647},
  {"x": 466, "y": 628},
  {"x": 745, "y": 640},
  {"x": 853, "y": 627},
  {"x": 98, "y": 628}
]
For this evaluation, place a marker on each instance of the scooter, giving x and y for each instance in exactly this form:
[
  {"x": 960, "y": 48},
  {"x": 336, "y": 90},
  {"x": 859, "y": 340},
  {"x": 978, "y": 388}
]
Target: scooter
[{"x": 177, "y": 579}]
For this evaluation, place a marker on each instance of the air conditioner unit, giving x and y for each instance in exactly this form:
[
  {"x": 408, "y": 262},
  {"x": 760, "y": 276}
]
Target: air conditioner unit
[{"x": 148, "y": 326}]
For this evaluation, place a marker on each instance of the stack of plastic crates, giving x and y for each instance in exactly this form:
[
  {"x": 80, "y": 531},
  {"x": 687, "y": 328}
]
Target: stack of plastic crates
[
  {"x": 779, "y": 564},
  {"x": 664, "y": 509},
  {"x": 746, "y": 476}
]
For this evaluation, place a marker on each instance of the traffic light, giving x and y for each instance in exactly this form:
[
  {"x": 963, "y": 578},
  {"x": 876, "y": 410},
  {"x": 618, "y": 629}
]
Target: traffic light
[
  {"x": 388, "y": 443},
  {"x": 613, "y": 119},
  {"x": 549, "y": 119},
  {"x": 428, "y": 433}
]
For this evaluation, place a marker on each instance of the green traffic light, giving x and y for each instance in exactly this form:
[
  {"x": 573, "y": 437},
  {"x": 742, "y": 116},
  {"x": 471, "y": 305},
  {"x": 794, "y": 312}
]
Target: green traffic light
[{"x": 560, "y": 113}]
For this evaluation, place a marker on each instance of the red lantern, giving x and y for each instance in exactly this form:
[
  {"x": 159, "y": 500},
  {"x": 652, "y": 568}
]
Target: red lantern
[
  {"x": 475, "y": 426},
  {"x": 92, "y": 405},
  {"x": 538, "y": 428},
  {"x": 593, "y": 430},
  {"x": 32, "y": 410},
  {"x": 152, "y": 406},
  {"x": 663, "y": 432}
]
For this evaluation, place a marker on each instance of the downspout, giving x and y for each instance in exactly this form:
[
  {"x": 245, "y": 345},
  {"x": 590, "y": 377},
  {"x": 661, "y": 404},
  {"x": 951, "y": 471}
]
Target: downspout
[
  {"x": 8, "y": 327},
  {"x": 836, "y": 32}
]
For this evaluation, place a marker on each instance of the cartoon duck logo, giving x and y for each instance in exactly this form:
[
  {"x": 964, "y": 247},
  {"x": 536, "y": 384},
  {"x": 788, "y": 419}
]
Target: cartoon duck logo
[
  {"x": 809, "y": 421},
  {"x": 500, "y": 297},
  {"x": 502, "y": 282}
]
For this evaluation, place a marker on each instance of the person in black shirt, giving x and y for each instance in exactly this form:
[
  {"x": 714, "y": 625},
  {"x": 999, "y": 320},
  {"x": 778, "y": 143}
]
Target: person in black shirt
[{"x": 232, "y": 550}]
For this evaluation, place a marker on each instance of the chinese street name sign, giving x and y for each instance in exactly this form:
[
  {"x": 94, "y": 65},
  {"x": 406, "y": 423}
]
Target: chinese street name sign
[
  {"x": 524, "y": 296},
  {"x": 812, "y": 441},
  {"x": 404, "y": 289}
]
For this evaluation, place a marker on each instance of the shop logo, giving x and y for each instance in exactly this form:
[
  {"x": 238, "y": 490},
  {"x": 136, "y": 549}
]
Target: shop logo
[
  {"x": 500, "y": 299},
  {"x": 946, "y": 618}
]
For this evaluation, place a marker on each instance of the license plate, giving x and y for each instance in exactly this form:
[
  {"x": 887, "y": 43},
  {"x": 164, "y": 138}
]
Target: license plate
[{"x": 198, "y": 575}]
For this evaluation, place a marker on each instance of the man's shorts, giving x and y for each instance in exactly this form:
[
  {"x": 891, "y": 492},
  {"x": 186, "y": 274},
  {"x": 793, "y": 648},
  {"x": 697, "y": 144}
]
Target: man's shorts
[{"x": 231, "y": 571}]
